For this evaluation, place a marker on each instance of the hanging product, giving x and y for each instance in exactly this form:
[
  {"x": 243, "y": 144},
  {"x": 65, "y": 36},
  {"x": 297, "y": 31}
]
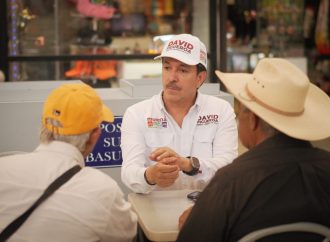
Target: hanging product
[
  {"x": 97, "y": 9},
  {"x": 322, "y": 30}
]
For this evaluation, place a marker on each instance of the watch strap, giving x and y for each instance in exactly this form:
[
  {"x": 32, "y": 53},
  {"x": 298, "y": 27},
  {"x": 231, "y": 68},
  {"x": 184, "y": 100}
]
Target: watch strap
[
  {"x": 194, "y": 170},
  {"x": 145, "y": 178}
]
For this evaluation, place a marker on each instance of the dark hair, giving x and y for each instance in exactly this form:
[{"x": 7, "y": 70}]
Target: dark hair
[{"x": 200, "y": 68}]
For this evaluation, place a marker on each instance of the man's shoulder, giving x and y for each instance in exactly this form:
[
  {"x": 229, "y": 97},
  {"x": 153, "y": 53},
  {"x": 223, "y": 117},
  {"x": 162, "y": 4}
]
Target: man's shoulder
[
  {"x": 96, "y": 188},
  {"x": 149, "y": 102},
  {"x": 98, "y": 178},
  {"x": 213, "y": 101},
  {"x": 147, "y": 107},
  {"x": 245, "y": 164}
]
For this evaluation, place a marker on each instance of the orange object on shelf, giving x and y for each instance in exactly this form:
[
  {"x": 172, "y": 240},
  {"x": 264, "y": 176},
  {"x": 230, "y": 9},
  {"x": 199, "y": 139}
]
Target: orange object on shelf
[
  {"x": 105, "y": 69},
  {"x": 81, "y": 68}
]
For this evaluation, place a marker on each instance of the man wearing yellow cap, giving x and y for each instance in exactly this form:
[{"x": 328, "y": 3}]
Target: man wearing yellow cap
[
  {"x": 90, "y": 205},
  {"x": 282, "y": 179}
]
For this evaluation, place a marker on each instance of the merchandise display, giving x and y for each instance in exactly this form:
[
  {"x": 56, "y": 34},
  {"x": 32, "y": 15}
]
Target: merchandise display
[
  {"x": 49, "y": 35},
  {"x": 317, "y": 39},
  {"x": 89, "y": 27},
  {"x": 322, "y": 31},
  {"x": 280, "y": 27},
  {"x": 297, "y": 30}
]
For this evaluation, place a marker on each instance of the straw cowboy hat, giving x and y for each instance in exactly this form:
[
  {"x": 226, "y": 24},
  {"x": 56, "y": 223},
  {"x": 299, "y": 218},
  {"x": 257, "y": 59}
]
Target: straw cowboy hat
[{"x": 282, "y": 95}]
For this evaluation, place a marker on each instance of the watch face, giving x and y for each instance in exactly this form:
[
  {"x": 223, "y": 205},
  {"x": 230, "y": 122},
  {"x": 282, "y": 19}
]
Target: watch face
[{"x": 195, "y": 163}]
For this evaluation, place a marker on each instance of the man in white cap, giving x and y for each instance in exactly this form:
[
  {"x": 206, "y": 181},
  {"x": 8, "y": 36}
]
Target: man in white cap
[
  {"x": 281, "y": 179},
  {"x": 88, "y": 207},
  {"x": 179, "y": 138}
]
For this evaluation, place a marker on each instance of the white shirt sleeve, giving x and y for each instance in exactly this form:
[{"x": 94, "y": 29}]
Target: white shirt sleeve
[{"x": 134, "y": 148}]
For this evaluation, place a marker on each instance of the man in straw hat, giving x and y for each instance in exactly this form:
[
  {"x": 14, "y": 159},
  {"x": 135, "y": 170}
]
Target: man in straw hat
[
  {"x": 178, "y": 138},
  {"x": 282, "y": 178},
  {"x": 88, "y": 207}
]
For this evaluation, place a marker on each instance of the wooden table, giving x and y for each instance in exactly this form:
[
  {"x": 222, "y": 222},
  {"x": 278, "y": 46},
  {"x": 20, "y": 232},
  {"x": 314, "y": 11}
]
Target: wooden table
[{"x": 158, "y": 212}]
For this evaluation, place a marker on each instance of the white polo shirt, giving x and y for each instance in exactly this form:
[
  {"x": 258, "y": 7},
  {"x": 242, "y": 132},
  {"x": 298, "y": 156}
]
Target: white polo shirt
[
  {"x": 89, "y": 207},
  {"x": 208, "y": 132}
]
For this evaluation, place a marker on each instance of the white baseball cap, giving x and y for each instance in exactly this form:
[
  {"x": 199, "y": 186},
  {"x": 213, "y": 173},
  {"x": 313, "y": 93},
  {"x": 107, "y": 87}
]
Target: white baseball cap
[{"x": 185, "y": 48}]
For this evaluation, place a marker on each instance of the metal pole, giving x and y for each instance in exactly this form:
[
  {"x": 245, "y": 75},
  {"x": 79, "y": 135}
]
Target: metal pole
[
  {"x": 4, "y": 66},
  {"x": 213, "y": 52},
  {"x": 56, "y": 39},
  {"x": 222, "y": 39},
  {"x": 218, "y": 49}
]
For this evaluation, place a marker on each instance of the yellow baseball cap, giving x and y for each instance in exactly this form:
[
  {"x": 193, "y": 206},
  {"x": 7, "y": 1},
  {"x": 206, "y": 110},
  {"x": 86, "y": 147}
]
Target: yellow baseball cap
[{"x": 73, "y": 109}]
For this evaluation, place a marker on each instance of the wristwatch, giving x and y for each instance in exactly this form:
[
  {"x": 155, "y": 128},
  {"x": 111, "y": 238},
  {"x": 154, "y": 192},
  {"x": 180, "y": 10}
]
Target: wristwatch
[{"x": 195, "y": 166}]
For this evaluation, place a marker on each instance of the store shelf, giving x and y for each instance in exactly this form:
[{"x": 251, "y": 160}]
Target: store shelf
[{"x": 81, "y": 57}]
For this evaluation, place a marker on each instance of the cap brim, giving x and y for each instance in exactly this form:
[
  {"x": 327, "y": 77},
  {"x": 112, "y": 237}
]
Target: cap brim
[
  {"x": 175, "y": 56},
  {"x": 107, "y": 114},
  {"x": 157, "y": 57},
  {"x": 311, "y": 125}
]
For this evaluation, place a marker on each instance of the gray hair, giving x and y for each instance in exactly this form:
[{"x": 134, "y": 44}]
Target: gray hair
[
  {"x": 267, "y": 128},
  {"x": 79, "y": 141}
]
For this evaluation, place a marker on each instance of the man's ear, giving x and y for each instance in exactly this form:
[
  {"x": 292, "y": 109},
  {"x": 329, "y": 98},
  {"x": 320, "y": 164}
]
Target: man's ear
[
  {"x": 95, "y": 134},
  {"x": 201, "y": 78},
  {"x": 253, "y": 121},
  {"x": 91, "y": 142}
]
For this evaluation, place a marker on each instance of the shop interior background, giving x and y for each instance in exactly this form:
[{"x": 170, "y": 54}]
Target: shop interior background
[{"x": 53, "y": 40}]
